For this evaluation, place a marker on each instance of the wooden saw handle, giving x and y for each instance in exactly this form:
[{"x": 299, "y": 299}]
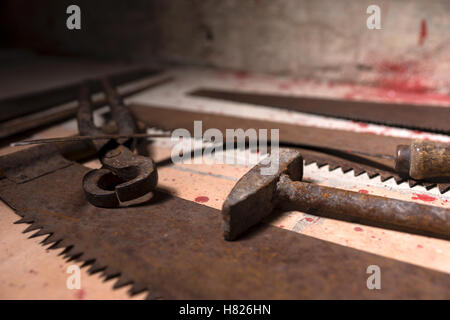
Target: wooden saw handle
[{"x": 424, "y": 160}]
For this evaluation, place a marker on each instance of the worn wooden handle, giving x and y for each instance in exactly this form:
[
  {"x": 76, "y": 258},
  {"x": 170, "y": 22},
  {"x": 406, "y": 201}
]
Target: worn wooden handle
[{"x": 429, "y": 160}]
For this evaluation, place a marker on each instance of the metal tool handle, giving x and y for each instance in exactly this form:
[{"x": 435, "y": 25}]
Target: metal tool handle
[
  {"x": 424, "y": 160},
  {"x": 359, "y": 207}
]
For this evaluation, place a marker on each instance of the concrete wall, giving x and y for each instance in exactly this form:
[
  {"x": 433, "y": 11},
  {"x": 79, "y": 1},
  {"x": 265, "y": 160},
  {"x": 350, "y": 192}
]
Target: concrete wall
[{"x": 319, "y": 39}]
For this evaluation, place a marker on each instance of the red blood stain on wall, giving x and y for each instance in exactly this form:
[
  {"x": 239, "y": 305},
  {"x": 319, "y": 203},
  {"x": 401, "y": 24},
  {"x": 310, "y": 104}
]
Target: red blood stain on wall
[
  {"x": 423, "y": 197},
  {"x": 363, "y": 191},
  {"x": 201, "y": 199},
  {"x": 241, "y": 75},
  {"x": 358, "y": 229},
  {"x": 423, "y": 32}
]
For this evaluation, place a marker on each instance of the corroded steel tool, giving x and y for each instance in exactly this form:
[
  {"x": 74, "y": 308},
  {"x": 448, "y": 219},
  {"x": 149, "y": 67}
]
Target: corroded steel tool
[
  {"x": 256, "y": 195},
  {"x": 124, "y": 176},
  {"x": 420, "y": 160},
  {"x": 302, "y": 138},
  {"x": 89, "y": 138},
  {"x": 173, "y": 248},
  {"x": 413, "y": 116}
]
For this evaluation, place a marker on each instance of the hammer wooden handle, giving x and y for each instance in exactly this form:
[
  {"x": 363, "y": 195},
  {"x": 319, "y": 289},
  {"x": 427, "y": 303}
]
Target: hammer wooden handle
[{"x": 424, "y": 160}]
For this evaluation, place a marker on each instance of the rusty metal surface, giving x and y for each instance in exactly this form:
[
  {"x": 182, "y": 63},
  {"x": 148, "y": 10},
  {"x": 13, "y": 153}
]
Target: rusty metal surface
[
  {"x": 297, "y": 135},
  {"x": 413, "y": 116},
  {"x": 174, "y": 249},
  {"x": 60, "y": 113},
  {"x": 258, "y": 193},
  {"x": 124, "y": 175},
  {"x": 37, "y": 161},
  {"x": 254, "y": 196},
  {"x": 362, "y": 208}
]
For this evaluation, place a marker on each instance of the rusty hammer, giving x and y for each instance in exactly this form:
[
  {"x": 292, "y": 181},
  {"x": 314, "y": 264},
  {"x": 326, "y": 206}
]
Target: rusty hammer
[{"x": 256, "y": 195}]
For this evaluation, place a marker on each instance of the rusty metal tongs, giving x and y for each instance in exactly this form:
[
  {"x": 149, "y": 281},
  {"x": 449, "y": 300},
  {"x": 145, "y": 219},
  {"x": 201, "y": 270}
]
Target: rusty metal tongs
[{"x": 124, "y": 175}]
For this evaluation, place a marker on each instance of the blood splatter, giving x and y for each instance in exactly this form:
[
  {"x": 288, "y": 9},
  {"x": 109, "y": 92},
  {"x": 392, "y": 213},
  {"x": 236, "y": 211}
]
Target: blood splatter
[
  {"x": 358, "y": 229},
  {"x": 423, "y": 32},
  {"x": 79, "y": 294},
  {"x": 423, "y": 197},
  {"x": 284, "y": 86},
  {"x": 201, "y": 199},
  {"x": 241, "y": 74},
  {"x": 363, "y": 191},
  {"x": 31, "y": 271},
  {"x": 361, "y": 124},
  {"x": 419, "y": 246}
]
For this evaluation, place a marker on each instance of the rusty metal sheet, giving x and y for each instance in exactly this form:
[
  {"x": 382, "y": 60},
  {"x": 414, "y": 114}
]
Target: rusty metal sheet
[
  {"x": 35, "y": 162},
  {"x": 330, "y": 145},
  {"x": 413, "y": 116},
  {"x": 174, "y": 249},
  {"x": 56, "y": 113}
]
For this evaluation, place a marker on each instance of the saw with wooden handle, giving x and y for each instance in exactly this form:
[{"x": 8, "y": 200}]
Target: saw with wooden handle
[{"x": 336, "y": 148}]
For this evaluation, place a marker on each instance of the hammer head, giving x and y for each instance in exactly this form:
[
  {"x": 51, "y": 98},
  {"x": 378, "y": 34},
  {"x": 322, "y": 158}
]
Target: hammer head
[{"x": 254, "y": 195}]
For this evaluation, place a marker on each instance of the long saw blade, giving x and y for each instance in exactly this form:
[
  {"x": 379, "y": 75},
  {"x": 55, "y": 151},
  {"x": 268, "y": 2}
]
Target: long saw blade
[
  {"x": 174, "y": 249},
  {"x": 412, "y": 116},
  {"x": 324, "y": 146}
]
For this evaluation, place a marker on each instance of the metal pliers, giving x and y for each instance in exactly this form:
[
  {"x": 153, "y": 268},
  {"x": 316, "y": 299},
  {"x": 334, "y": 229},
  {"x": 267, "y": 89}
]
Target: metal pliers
[{"x": 124, "y": 175}]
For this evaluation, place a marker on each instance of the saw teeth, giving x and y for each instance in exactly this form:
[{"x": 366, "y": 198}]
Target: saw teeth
[
  {"x": 399, "y": 179},
  {"x": 32, "y": 227},
  {"x": 73, "y": 256},
  {"x": 40, "y": 233},
  {"x": 412, "y": 183},
  {"x": 372, "y": 174},
  {"x": 122, "y": 281},
  {"x": 48, "y": 240},
  {"x": 67, "y": 248},
  {"x": 358, "y": 171},
  {"x": 320, "y": 162},
  {"x": 87, "y": 262},
  {"x": 153, "y": 296},
  {"x": 385, "y": 178},
  {"x": 51, "y": 238},
  {"x": 346, "y": 169},
  {"x": 111, "y": 273},
  {"x": 24, "y": 220},
  {"x": 60, "y": 244},
  {"x": 137, "y": 288},
  {"x": 444, "y": 187},
  {"x": 96, "y": 267},
  {"x": 428, "y": 185},
  {"x": 333, "y": 167}
]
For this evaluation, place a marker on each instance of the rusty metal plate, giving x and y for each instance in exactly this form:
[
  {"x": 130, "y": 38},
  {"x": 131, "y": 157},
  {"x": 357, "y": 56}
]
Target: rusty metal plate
[
  {"x": 413, "y": 116},
  {"x": 174, "y": 249},
  {"x": 319, "y": 145},
  {"x": 35, "y": 162}
]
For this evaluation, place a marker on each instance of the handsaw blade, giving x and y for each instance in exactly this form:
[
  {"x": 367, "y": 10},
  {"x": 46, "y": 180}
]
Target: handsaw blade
[
  {"x": 174, "y": 249},
  {"x": 412, "y": 116},
  {"x": 320, "y": 145}
]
